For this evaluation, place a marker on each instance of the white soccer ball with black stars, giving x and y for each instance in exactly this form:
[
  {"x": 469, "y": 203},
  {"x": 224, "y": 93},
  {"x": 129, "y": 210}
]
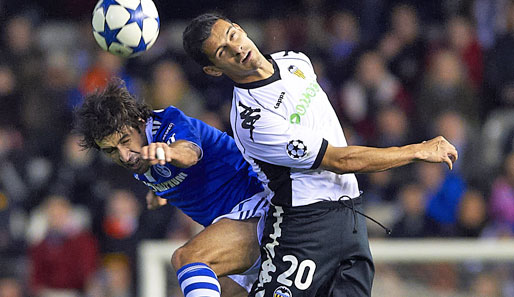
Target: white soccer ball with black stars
[
  {"x": 125, "y": 28},
  {"x": 296, "y": 149}
]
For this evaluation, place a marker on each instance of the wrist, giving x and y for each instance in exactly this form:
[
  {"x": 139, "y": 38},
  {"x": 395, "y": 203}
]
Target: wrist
[{"x": 419, "y": 154}]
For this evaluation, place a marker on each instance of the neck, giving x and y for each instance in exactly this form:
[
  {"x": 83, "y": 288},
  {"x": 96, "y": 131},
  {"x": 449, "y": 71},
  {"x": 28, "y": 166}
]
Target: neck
[{"x": 264, "y": 71}]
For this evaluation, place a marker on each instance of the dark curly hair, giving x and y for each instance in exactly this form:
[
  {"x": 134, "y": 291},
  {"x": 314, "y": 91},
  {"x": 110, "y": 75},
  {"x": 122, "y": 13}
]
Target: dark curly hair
[
  {"x": 107, "y": 111},
  {"x": 196, "y": 33}
]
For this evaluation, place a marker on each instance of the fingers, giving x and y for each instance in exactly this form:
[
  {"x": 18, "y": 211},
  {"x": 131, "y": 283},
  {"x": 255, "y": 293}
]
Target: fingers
[
  {"x": 441, "y": 150},
  {"x": 157, "y": 153},
  {"x": 448, "y": 162}
]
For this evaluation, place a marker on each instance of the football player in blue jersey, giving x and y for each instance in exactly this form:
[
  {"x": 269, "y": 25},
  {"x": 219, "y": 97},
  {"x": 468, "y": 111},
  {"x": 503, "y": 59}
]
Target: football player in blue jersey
[{"x": 199, "y": 170}]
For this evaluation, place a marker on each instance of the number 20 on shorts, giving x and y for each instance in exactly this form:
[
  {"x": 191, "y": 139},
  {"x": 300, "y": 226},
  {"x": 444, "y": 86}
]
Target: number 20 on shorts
[{"x": 301, "y": 282}]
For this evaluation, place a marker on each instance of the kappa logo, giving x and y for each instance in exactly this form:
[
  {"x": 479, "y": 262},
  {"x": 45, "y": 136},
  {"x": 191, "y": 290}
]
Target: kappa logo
[
  {"x": 162, "y": 170},
  {"x": 296, "y": 71},
  {"x": 282, "y": 292},
  {"x": 249, "y": 116},
  {"x": 279, "y": 101}
]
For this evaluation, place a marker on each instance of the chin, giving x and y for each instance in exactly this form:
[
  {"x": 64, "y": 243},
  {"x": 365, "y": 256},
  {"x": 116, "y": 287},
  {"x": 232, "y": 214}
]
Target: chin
[{"x": 143, "y": 169}]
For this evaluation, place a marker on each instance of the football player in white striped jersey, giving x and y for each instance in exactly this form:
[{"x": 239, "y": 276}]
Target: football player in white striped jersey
[{"x": 315, "y": 241}]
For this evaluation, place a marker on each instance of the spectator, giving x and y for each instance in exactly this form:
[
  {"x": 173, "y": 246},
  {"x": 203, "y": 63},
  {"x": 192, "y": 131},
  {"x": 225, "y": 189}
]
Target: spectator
[
  {"x": 403, "y": 46},
  {"x": 343, "y": 46},
  {"x": 113, "y": 279},
  {"x": 77, "y": 175},
  {"x": 444, "y": 190},
  {"x": 446, "y": 88},
  {"x": 105, "y": 66},
  {"x": 454, "y": 127},
  {"x": 462, "y": 40},
  {"x": 67, "y": 256},
  {"x": 10, "y": 287},
  {"x": 413, "y": 221},
  {"x": 502, "y": 195},
  {"x": 372, "y": 89},
  {"x": 121, "y": 223},
  {"x": 10, "y": 99},
  {"x": 169, "y": 86},
  {"x": 499, "y": 76},
  {"x": 472, "y": 214},
  {"x": 21, "y": 51}
]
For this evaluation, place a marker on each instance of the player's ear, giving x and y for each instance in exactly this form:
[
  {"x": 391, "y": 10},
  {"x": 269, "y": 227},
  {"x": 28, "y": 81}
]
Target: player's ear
[{"x": 212, "y": 70}]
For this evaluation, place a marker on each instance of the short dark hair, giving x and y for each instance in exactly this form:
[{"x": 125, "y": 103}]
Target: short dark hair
[
  {"x": 107, "y": 111},
  {"x": 196, "y": 33}
]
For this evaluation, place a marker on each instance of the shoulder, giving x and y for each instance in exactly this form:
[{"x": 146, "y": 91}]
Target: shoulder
[
  {"x": 290, "y": 55},
  {"x": 166, "y": 112}
]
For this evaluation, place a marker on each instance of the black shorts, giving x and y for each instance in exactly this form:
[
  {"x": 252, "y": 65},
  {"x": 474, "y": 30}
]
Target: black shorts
[{"x": 312, "y": 250}]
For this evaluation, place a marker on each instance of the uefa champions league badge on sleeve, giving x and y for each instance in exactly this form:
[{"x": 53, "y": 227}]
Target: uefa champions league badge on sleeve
[
  {"x": 296, "y": 149},
  {"x": 282, "y": 292}
]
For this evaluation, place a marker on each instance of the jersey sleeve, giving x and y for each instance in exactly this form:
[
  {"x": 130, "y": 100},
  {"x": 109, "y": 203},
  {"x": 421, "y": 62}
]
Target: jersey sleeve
[{"x": 265, "y": 135}]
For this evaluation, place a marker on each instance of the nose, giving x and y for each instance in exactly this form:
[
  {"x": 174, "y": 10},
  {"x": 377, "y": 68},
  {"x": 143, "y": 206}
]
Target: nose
[
  {"x": 236, "y": 48},
  {"x": 124, "y": 154}
]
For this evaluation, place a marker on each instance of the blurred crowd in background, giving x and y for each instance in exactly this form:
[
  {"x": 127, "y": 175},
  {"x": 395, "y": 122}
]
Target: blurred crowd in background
[{"x": 396, "y": 72}]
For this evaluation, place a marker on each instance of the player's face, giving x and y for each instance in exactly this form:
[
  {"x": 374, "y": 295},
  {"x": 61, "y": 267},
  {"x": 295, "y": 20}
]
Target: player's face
[
  {"x": 124, "y": 148},
  {"x": 232, "y": 53}
]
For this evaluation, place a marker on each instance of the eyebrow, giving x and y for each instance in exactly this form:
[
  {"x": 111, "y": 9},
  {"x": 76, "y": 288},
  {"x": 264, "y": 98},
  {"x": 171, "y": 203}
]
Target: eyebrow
[
  {"x": 123, "y": 137},
  {"x": 226, "y": 34}
]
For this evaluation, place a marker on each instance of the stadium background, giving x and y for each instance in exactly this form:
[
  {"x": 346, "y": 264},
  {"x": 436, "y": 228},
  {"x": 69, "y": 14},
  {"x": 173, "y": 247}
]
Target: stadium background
[{"x": 396, "y": 72}]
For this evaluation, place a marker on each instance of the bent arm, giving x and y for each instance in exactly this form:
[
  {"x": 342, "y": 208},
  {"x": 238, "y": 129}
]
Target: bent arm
[{"x": 361, "y": 159}]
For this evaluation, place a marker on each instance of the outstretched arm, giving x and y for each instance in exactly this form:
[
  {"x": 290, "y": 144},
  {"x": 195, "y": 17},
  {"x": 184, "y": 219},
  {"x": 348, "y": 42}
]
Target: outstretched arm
[
  {"x": 361, "y": 159},
  {"x": 181, "y": 153}
]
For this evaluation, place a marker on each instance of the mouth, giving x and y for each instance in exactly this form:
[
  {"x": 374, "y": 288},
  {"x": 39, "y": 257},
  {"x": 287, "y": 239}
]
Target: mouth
[
  {"x": 133, "y": 164},
  {"x": 247, "y": 58}
]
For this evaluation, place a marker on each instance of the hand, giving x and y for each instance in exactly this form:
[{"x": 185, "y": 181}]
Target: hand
[
  {"x": 153, "y": 201},
  {"x": 151, "y": 153},
  {"x": 437, "y": 150}
]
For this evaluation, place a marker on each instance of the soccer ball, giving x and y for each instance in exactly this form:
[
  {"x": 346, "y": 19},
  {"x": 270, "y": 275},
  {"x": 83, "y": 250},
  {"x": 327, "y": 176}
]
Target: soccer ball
[
  {"x": 125, "y": 28},
  {"x": 296, "y": 149}
]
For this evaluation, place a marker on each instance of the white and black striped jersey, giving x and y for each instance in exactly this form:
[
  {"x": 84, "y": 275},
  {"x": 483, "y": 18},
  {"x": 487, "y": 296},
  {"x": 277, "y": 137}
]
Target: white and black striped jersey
[{"x": 283, "y": 125}]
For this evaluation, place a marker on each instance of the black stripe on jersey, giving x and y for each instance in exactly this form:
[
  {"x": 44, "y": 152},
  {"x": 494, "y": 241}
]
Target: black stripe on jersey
[
  {"x": 260, "y": 83},
  {"x": 272, "y": 111},
  {"x": 321, "y": 154},
  {"x": 280, "y": 182}
]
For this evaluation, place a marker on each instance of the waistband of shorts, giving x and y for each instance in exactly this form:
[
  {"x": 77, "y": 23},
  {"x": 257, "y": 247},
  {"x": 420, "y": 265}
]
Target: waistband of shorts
[{"x": 327, "y": 204}]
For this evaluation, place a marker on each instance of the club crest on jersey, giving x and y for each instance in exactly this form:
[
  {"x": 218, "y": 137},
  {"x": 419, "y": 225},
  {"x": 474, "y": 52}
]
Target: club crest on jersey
[
  {"x": 282, "y": 292},
  {"x": 296, "y": 149},
  {"x": 162, "y": 170},
  {"x": 296, "y": 71}
]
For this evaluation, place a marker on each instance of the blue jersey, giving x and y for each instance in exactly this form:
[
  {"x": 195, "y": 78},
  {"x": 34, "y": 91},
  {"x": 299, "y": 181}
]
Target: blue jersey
[{"x": 211, "y": 187}]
